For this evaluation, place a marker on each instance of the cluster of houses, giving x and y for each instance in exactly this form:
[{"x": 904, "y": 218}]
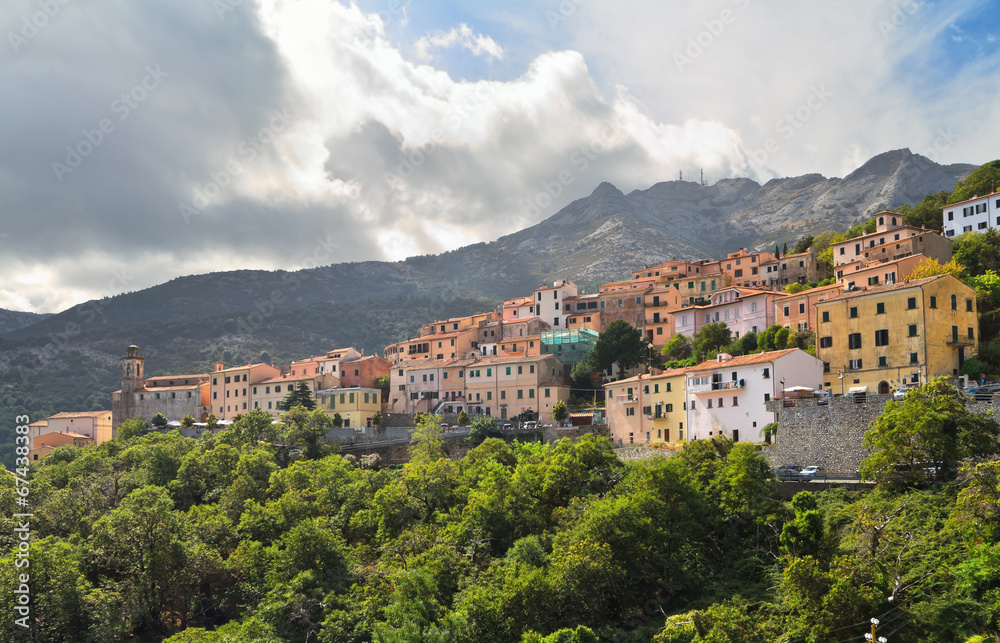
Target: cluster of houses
[{"x": 875, "y": 331}]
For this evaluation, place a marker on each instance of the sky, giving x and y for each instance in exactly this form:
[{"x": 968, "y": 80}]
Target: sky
[{"x": 143, "y": 141}]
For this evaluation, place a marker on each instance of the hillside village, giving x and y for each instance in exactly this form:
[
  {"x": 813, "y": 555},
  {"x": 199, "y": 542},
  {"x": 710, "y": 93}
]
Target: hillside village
[{"x": 866, "y": 327}]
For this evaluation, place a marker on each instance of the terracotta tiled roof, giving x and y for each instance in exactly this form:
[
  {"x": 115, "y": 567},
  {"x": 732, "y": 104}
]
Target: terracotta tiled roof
[
  {"x": 78, "y": 414},
  {"x": 743, "y": 360},
  {"x": 643, "y": 377},
  {"x": 975, "y": 198}
]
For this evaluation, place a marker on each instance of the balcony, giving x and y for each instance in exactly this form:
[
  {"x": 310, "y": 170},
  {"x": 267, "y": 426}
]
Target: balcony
[
  {"x": 714, "y": 387},
  {"x": 959, "y": 341}
]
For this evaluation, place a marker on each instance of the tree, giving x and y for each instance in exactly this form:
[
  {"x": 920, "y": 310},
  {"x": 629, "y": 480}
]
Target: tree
[
  {"x": 307, "y": 430},
  {"x": 560, "y": 411},
  {"x": 427, "y": 440},
  {"x": 582, "y": 375},
  {"x": 187, "y": 421},
  {"x": 777, "y": 253},
  {"x": 463, "y": 418},
  {"x": 924, "y": 436},
  {"x": 981, "y": 182},
  {"x": 337, "y": 420},
  {"x": 159, "y": 421},
  {"x": 383, "y": 382},
  {"x": 784, "y": 250},
  {"x": 620, "y": 344},
  {"x": 484, "y": 427},
  {"x": 977, "y": 252},
  {"x": 301, "y": 395},
  {"x": 931, "y": 268},
  {"x": 803, "y": 244},
  {"x": 211, "y": 422},
  {"x": 132, "y": 428},
  {"x": 677, "y": 347},
  {"x": 927, "y": 213},
  {"x": 377, "y": 419},
  {"x": 774, "y": 338},
  {"x": 711, "y": 338}
]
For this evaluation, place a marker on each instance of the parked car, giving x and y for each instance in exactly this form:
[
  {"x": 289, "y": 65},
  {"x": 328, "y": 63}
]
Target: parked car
[
  {"x": 811, "y": 470},
  {"x": 900, "y": 392},
  {"x": 792, "y": 472},
  {"x": 506, "y": 427}
]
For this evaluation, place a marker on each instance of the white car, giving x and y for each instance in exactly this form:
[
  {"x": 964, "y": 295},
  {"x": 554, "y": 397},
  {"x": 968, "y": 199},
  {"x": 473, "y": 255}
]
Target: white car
[
  {"x": 900, "y": 393},
  {"x": 811, "y": 471}
]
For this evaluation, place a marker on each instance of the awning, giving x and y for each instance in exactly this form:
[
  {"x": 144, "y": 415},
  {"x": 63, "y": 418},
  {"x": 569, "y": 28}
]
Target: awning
[{"x": 858, "y": 389}]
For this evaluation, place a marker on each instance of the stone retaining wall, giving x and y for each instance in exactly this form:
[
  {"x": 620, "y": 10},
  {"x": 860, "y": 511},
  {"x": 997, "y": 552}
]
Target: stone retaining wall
[{"x": 831, "y": 435}]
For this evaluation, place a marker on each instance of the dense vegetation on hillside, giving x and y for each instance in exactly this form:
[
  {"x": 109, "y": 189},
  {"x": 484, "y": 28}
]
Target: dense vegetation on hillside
[{"x": 259, "y": 534}]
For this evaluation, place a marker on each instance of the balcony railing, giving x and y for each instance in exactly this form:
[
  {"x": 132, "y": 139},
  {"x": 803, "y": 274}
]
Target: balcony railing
[{"x": 718, "y": 386}]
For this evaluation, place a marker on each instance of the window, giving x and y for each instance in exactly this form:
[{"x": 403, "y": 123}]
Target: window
[
  {"x": 882, "y": 337},
  {"x": 883, "y": 361},
  {"x": 971, "y": 334},
  {"x": 826, "y": 342},
  {"x": 968, "y": 305},
  {"x": 709, "y": 402},
  {"x": 954, "y": 302},
  {"x": 520, "y": 394},
  {"x": 767, "y": 397},
  {"x": 954, "y": 333},
  {"x": 854, "y": 341},
  {"x": 767, "y": 373},
  {"x": 913, "y": 358},
  {"x": 531, "y": 393},
  {"x": 802, "y": 308},
  {"x": 912, "y": 330},
  {"x": 911, "y": 303},
  {"x": 880, "y": 308},
  {"x": 508, "y": 370},
  {"x": 933, "y": 301},
  {"x": 854, "y": 365},
  {"x": 826, "y": 315},
  {"x": 786, "y": 311},
  {"x": 854, "y": 312}
]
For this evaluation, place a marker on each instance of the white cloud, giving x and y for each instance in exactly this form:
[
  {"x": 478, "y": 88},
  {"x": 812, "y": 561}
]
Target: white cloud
[{"x": 463, "y": 36}]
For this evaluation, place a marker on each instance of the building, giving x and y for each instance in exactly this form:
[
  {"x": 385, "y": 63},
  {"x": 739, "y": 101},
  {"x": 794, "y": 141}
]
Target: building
[
  {"x": 361, "y": 372},
  {"x": 502, "y": 387},
  {"x": 882, "y": 336},
  {"x": 268, "y": 393},
  {"x": 798, "y": 312},
  {"x": 892, "y": 240},
  {"x": 623, "y": 300},
  {"x": 356, "y": 406},
  {"x": 679, "y": 270},
  {"x": 741, "y": 309},
  {"x": 95, "y": 425},
  {"x": 647, "y": 408},
  {"x": 744, "y": 268},
  {"x": 875, "y": 273},
  {"x": 47, "y": 443},
  {"x": 517, "y": 308},
  {"x": 231, "y": 389},
  {"x": 568, "y": 346},
  {"x": 548, "y": 302},
  {"x": 726, "y": 396},
  {"x": 447, "y": 339},
  {"x": 799, "y": 268},
  {"x": 174, "y": 396},
  {"x": 583, "y": 311},
  {"x": 978, "y": 214}
]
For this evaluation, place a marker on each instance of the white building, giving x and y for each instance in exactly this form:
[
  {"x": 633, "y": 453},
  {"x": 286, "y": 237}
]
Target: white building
[
  {"x": 548, "y": 302},
  {"x": 727, "y": 396},
  {"x": 972, "y": 215},
  {"x": 741, "y": 309}
]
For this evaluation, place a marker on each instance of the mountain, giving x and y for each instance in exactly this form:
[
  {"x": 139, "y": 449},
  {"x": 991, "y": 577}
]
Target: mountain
[
  {"x": 68, "y": 361},
  {"x": 11, "y": 320}
]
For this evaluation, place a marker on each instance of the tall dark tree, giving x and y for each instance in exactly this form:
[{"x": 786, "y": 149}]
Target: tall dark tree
[
  {"x": 711, "y": 338},
  {"x": 620, "y": 344},
  {"x": 301, "y": 395}
]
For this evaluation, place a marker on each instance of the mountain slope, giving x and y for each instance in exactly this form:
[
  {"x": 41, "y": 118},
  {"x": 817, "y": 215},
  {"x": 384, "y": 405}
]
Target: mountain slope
[
  {"x": 69, "y": 361},
  {"x": 11, "y": 320}
]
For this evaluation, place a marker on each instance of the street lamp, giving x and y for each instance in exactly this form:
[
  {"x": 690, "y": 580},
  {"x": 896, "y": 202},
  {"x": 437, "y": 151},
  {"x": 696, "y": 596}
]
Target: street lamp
[
  {"x": 782, "y": 388},
  {"x": 872, "y": 637},
  {"x": 840, "y": 376}
]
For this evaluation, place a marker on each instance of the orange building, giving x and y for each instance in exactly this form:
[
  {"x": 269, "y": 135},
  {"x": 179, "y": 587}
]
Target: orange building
[
  {"x": 232, "y": 388},
  {"x": 745, "y": 267},
  {"x": 49, "y": 442},
  {"x": 798, "y": 311}
]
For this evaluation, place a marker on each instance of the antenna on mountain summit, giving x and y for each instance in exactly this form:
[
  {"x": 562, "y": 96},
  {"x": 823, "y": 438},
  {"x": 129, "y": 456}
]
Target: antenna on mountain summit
[
  {"x": 680, "y": 175},
  {"x": 703, "y": 178}
]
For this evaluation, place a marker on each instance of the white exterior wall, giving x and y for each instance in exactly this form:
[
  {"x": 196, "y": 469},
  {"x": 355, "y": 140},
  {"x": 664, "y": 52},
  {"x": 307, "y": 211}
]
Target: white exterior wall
[
  {"x": 975, "y": 215},
  {"x": 549, "y": 304},
  {"x": 750, "y": 416},
  {"x": 688, "y": 321}
]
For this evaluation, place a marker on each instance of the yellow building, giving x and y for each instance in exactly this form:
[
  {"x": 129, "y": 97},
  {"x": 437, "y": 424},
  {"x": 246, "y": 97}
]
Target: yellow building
[
  {"x": 883, "y": 336},
  {"x": 93, "y": 424},
  {"x": 268, "y": 393},
  {"x": 357, "y": 406},
  {"x": 647, "y": 408}
]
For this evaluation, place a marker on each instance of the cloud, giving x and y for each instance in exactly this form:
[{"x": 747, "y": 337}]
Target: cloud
[
  {"x": 463, "y": 36},
  {"x": 285, "y": 131}
]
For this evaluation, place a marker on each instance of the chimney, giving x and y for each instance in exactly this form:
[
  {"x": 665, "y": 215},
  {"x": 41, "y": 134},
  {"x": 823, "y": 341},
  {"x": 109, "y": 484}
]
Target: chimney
[
  {"x": 218, "y": 366},
  {"x": 723, "y": 357}
]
